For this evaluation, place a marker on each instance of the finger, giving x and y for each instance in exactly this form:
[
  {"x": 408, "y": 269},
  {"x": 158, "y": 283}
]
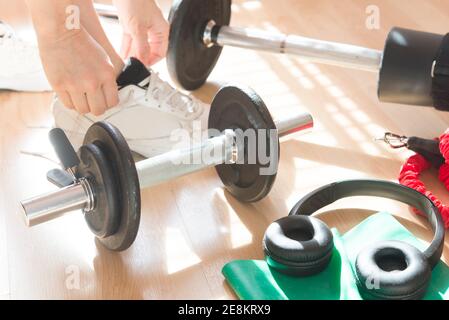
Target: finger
[
  {"x": 126, "y": 46},
  {"x": 156, "y": 55},
  {"x": 110, "y": 92},
  {"x": 141, "y": 46},
  {"x": 80, "y": 102},
  {"x": 64, "y": 97},
  {"x": 158, "y": 46},
  {"x": 97, "y": 102}
]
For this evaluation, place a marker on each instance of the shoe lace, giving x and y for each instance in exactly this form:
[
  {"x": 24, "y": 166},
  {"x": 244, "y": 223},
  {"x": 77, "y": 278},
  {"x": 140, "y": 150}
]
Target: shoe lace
[{"x": 165, "y": 94}]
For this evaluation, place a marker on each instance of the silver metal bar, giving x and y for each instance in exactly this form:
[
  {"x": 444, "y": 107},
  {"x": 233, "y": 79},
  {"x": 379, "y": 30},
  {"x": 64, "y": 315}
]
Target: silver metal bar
[
  {"x": 210, "y": 153},
  {"x": 55, "y": 204},
  {"x": 326, "y": 52},
  {"x": 178, "y": 163},
  {"x": 105, "y": 10},
  {"x": 319, "y": 51},
  {"x": 294, "y": 123}
]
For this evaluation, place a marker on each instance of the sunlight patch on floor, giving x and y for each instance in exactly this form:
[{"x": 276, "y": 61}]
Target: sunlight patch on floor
[
  {"x": 304, "y": 81},
  {"x": 179, "y": 255},
  {"x": 239, "y": 234},
  {"x": 355, "y": 122},
  {"x": 76, "y": 237},
  {"x": 251, "y": 5}
]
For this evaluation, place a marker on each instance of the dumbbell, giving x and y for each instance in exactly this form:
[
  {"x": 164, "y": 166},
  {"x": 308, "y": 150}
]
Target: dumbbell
[
  {"x": 200, "y": 29},
  {"x": 103, "y": 180}
]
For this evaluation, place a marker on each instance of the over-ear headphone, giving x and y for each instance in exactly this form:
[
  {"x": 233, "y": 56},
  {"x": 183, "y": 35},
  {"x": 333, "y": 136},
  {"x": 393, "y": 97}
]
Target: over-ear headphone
[{"x": 301, "y": 245}]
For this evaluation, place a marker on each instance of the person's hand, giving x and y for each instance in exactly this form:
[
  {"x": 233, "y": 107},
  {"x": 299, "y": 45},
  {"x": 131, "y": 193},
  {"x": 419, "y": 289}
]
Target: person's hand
[
  {"x": 80, "y": 71},
  {"x": 145, "y": 30}
]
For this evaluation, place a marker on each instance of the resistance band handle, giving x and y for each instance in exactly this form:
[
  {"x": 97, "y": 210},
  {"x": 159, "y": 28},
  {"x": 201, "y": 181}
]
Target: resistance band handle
[
  {"x": 429, "y": 149},
  {"x": 64, "y": 149}
]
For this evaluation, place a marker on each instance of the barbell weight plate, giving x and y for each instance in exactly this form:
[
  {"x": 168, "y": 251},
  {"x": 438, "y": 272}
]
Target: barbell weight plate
[
  {"x": 405, "y": 76},
  {"x": 189, "y": 61},
  {"x": 116, "y": 150},
  {"x": 104, "y": 219},
  {"x": 241, "y": 108}
]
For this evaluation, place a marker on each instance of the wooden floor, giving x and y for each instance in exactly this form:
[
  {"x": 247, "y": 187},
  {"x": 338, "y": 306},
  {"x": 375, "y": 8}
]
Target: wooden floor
[{"x": 191, "y": 227}]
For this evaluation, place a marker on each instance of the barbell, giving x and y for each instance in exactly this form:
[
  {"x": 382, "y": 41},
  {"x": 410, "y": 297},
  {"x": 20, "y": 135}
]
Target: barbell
[
  {"x": 200, "y": 29},
  {"x": 412, "y": 67},
  {"x": 104, "y": 182}
]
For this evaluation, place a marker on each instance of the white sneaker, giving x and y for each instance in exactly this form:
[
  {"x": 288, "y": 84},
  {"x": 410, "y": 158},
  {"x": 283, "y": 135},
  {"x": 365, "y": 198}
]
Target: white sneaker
[
  {"x": 20, "y": 64},
  {"x": 149, "y": 112}
]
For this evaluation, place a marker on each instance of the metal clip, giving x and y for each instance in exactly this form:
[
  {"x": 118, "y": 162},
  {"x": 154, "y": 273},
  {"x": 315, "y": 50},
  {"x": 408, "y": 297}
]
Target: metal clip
[
  {"x": 395, "y": 141},
  {"x": 208, "y": 37}
]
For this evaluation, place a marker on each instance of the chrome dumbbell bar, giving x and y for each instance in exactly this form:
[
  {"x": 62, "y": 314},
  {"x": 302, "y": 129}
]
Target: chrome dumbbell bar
[{"x": 151, "y": 172}]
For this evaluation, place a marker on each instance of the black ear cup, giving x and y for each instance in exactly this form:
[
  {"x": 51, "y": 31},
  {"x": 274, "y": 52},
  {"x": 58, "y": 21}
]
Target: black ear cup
[
  {"x": 392, "y": 270},
  {"x": 298, "y": 245}
]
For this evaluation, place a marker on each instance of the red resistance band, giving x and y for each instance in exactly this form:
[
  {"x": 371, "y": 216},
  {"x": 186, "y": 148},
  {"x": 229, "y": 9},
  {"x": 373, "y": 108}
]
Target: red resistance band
[{"x": 417, "y": 164}]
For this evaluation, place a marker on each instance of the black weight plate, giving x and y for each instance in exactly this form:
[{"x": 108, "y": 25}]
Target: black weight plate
[
  {"x": 241, "y": 108},
  {"x": 103, "y": 221},
  {"x": 189, "y": 61},
  {"x": 405, "y": 75},
  {"x": 116, "y": 150}
]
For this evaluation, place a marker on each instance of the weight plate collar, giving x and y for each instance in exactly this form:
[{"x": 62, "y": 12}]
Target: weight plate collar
[{"x": 189, "y": 60}]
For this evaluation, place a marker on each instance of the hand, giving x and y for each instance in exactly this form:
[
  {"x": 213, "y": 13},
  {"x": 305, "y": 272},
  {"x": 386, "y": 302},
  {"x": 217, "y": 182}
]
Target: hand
[
  {"x": 145, "y": 30},
  {"x": 80, "y": 71}
]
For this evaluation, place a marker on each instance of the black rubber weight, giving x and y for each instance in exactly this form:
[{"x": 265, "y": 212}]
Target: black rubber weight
[
  {"x": 104, "y": 220},
  {"x": 189, "y": 61},
  {"x": 241, "y": 108},
  {"x": 302, "y": 245},
  {"x": 116, "y": 150},
  {"x": 405, "y": 75},
  {"x": 392, "y": 270}
]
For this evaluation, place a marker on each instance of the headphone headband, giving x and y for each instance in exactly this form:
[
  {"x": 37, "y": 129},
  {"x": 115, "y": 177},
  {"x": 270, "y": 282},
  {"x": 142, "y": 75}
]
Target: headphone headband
[{"x": 328, "y": 194}]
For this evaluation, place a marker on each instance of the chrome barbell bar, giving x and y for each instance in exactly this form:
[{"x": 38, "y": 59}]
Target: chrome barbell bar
[{"x": 319, "y": 51}]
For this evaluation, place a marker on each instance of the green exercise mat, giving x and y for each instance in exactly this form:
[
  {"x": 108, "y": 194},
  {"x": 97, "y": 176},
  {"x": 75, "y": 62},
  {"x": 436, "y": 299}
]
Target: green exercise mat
[
  {"x": 254, "y": 280},
  {"x": 383, "y": 226}
]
